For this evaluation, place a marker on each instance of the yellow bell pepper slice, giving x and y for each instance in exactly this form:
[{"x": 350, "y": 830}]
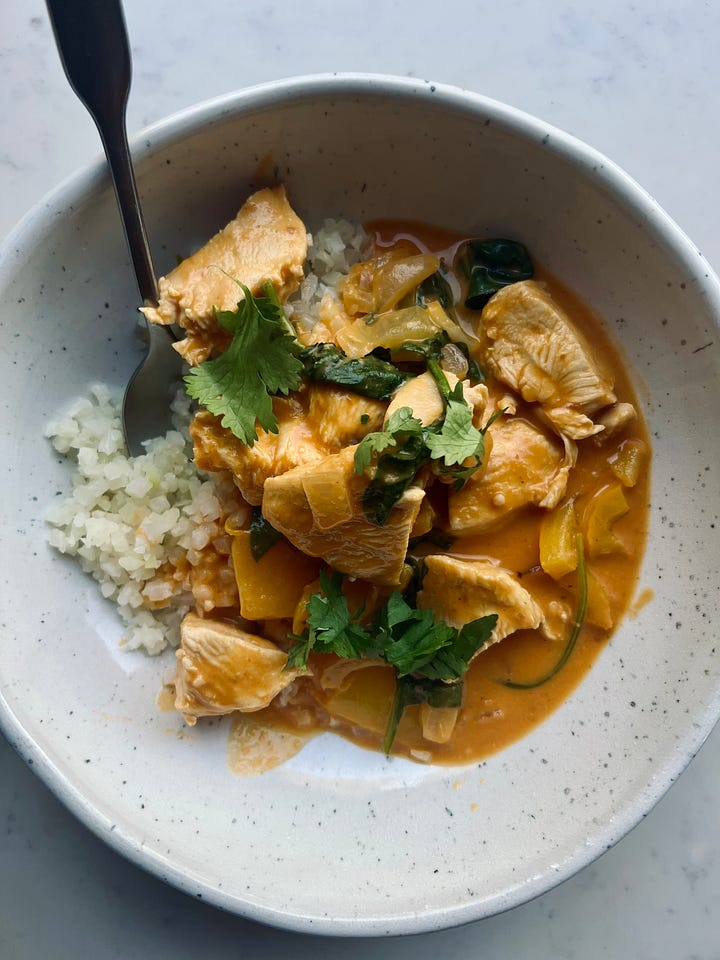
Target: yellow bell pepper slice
[
  {"x": 628, "y": 463},
  {"x": 598, "y": 604},
  {"x": 558, "y": 551},
  {"x": 604, "y": 509}
]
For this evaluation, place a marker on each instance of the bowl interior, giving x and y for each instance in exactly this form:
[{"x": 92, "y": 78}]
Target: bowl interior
[{"x": 468, "y": 841}]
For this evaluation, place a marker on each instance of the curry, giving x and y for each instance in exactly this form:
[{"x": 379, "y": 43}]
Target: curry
[{"x": 441, "y": 490}]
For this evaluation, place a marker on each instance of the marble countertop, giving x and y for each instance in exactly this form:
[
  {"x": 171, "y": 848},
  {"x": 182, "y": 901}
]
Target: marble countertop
[{"x": 639, "y": 81}]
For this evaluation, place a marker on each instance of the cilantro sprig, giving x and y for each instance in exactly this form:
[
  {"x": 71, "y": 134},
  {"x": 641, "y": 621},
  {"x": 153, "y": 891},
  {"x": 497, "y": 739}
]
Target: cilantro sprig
[
  {"x": 429, "y": 656},
  {"x": 452, "y": 445},
  {"x": 261, "y": 361},
  {"x": 331, "y": 628}
]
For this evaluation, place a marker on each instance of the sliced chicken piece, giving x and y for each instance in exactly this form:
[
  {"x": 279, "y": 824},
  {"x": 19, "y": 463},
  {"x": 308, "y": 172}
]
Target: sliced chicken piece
[
  {"x": 421, "y": 394},
  {"x": 458, "y": 591},
  {"x": 534, "y": 348},
  {"x": 221, "y": 668},
  {"x": 336, "y": 416},
  {"x": 266, "y": 241},
  {"x": 524, "y": 466},
  {"x": 312, "y": 423},
  {"x": 352, "y": 544},
  {"x": 216, "y": 448},
  {"x": 613, "y": 420}
]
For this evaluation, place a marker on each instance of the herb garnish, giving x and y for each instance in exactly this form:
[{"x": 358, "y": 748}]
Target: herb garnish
[
  {"x": 421, "y": 649},
  {"x": 453, "y": 446},
  {"x": 261, "y": 361},
  {"x": 368, "y": 376}
]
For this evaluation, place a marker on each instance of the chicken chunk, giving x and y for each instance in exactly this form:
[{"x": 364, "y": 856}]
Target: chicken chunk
[
  {"x": 298, "y": 504},
  {"x": 266, "y": 241},
  {"x": 221, "y": 668},
  {"x": 533, "y": 347},
  {"x": 336, "y": 416},
  {"x": 525, "y": 466},
  {"x": 312, "y": 423},
  {"x": 614, "y": 419},
  {"x": 458, "y": 591},
  {"x": 217, "y": 448},
  {"x": 421, "y": 394}
]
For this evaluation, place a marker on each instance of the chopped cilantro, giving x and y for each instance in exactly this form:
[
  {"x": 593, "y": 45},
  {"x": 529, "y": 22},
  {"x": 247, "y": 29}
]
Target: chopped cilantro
[
  {"x": 419, "y": 647},
  {"x": 401, "y": 424},
  {"x": 453, "y": 443},
  {"x": 331, "y": 627},
  {"x": 458, "y": 439},
  {"x": 261, "y": 361}
]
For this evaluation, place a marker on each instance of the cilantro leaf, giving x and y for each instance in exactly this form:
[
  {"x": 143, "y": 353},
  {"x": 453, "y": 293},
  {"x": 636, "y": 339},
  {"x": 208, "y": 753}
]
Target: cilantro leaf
[
  {"x": 451, "y": 662},
  {"x": 331, "y": 627},
  {"x": 458, "y": 438},
  {"x": 262, "y": 360},
  {"x": 430, "y": 657},
  {"x": 409, "y": 638},
  {"x": 401, "y": 423}
]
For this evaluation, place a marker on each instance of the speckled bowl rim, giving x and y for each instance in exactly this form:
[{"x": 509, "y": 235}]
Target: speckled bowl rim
[{"x": 663, "y": 230}]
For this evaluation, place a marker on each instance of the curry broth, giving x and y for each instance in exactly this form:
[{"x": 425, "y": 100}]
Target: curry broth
[{"x": 494, "y": 715}]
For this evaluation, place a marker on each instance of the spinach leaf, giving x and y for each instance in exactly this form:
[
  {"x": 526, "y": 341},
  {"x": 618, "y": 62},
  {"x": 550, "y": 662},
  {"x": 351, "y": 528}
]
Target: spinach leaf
[
  {"x": 262, "y": 535},
  {"x": 394, "y": 473},
  {"x": 490, "y": 265},
  {"x": 436, "y": 287},
  {"x": 368, "y": 376},
  {"x": 420, "y": 349}
]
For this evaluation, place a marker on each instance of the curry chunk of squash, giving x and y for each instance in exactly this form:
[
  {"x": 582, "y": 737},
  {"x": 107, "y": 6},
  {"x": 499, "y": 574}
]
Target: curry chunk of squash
[
  {"x": 221, "y": 668},
  {"x": 270, "y": 588}
]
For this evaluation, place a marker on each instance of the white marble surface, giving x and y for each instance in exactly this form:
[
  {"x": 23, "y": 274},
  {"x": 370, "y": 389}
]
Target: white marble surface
[{"x": 639, "y": 81}]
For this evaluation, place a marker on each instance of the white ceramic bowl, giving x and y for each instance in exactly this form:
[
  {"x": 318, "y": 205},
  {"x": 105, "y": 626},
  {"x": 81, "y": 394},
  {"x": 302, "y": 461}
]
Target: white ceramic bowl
[{"x": 339, "y": 840}]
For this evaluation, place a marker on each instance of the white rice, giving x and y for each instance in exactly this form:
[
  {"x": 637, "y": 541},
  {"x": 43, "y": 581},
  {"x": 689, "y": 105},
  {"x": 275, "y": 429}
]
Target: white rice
[{"x": 127, "y": 517}]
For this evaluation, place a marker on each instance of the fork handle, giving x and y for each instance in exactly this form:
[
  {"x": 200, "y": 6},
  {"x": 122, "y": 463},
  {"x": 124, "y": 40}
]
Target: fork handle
[{"x": 93, "y": 44}]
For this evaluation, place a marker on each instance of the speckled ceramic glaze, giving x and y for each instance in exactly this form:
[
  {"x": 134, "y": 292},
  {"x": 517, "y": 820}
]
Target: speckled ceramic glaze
[{"x": 338, "y": 839}]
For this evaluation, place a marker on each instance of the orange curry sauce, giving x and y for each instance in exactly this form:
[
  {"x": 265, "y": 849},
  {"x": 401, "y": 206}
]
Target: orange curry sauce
[{"x": 493, "y": 715}]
